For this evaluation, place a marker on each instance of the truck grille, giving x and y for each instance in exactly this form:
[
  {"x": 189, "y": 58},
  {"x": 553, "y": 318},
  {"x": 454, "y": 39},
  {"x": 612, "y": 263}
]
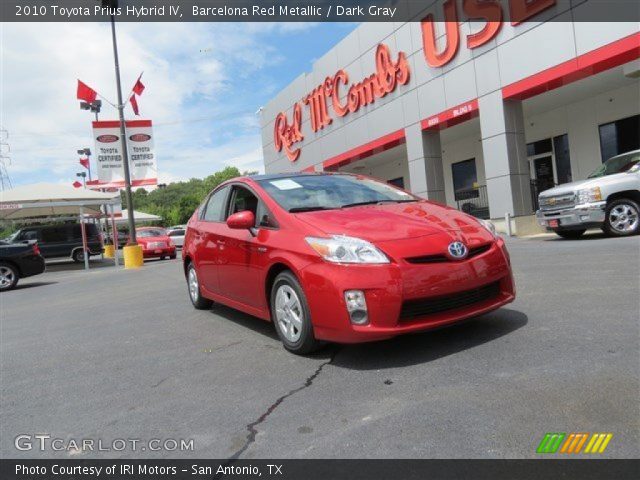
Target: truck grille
[
  {"x": 557, "y": 202},
  {"x": 428, "y": 306}
]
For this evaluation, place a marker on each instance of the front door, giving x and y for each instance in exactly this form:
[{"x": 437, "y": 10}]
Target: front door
[
  {"x": 543, "y": 171},
  {"x": 243, "y": 253}
]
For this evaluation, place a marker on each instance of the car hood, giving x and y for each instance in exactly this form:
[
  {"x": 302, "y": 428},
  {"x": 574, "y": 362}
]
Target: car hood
[
  {"x": 394, "y": 221},
  {"x": 567, "y": 188}
]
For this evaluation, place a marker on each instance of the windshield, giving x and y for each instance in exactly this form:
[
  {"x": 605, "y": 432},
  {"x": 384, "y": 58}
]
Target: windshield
[
  {"x": 617, "y": 164},
  {"x": 150, "y": 233},
  {"x": 324, "y": 192}
]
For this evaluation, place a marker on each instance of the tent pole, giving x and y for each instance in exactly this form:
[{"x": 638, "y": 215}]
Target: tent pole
[
  {"x": 85, "y": 248},
  {"x": 114, "y": 235}
]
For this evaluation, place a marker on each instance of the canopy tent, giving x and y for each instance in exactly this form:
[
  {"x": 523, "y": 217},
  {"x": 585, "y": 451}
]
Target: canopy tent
[
  {"x": 48, "y": 199},
  {"x": 140, "y": 217}
]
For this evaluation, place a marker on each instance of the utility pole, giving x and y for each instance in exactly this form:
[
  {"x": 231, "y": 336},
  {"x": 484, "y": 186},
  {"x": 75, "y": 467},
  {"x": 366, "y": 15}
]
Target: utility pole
[{"x": 123, "y": 134}]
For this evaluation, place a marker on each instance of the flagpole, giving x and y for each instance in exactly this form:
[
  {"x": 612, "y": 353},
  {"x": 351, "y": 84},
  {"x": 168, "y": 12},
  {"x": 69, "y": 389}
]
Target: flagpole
[{"x": 123, "y": 135}]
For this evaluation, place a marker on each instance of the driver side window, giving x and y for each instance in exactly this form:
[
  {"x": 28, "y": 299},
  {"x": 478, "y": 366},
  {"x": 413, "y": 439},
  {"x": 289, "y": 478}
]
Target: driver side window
[{"x": 244, "y": 199}]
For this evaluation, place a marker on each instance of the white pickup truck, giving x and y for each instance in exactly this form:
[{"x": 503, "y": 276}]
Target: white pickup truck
[{"x": 609, "y": 199}]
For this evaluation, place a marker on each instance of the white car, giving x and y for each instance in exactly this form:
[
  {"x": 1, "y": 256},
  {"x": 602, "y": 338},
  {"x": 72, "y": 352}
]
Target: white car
[{"x": 176, "y": 234}]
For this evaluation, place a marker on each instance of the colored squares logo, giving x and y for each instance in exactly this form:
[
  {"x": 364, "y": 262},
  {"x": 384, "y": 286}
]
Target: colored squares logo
[{"x": 574, "y": 443}]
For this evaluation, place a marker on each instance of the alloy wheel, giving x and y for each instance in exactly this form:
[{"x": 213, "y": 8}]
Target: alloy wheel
[
  {"x": 289, "y": 313},
  {"x": 194, "y": 289},
  {"x": 7, "y": 277},
  {"x": 623, "y": 218}
]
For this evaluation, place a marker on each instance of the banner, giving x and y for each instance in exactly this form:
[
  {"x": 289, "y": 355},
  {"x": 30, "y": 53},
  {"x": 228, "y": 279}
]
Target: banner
[{"x": 108, "y": 154}]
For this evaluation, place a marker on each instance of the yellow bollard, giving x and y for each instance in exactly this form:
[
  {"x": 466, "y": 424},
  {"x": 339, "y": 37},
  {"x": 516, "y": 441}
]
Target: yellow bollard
[
  {"x": 109, "y": 251},
  {"x": 132, "y": 256}
]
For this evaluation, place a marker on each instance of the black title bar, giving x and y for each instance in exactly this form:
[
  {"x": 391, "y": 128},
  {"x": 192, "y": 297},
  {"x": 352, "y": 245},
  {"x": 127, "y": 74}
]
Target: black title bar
[{"x": 317, "y": 10}]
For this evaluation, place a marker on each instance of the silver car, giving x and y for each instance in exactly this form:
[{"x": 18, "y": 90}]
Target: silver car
[
  {"x": 176, "y": 233},
  {"x": 608, "y": 199}
]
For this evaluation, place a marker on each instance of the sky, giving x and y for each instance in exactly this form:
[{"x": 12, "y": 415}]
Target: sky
[{"x": 204, "y": 84}]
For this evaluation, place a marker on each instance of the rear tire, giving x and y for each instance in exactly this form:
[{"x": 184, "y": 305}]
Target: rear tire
[
  {"x": 622, "y": 218},
  {"x": 570, "y": 234},
  {"x": 291, "y": 315},
  {"x": 8, "y": 277},
  {"x": 78, "y": 256},
  {"x": 193, "y": 286}
]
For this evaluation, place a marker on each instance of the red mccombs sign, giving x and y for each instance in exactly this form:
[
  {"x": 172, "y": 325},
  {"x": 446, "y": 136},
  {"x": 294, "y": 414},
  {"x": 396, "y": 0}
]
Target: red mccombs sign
[{"x": 389, "y": 73}]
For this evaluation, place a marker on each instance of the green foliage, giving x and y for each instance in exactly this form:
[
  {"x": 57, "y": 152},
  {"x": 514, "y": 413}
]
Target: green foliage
[{"x": 176, "y": 202}]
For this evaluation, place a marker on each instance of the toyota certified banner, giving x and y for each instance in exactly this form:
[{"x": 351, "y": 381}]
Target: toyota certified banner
[{"x": 108, "y": 154}]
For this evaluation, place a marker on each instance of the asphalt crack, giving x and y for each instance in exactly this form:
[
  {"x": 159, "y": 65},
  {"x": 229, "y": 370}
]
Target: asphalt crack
[{"x": 252, "y": 427}]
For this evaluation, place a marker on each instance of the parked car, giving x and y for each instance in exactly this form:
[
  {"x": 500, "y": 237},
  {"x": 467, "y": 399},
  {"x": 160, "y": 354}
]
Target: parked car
[
  {"x": 62, "y": 240},
  {"x": 155, "y": 243},
  {"x": 18, "y": 260},
  {"x": 341, "y": 258},
  {"x": 609, "y": 199},
  {"x": 176, "y": 233}
]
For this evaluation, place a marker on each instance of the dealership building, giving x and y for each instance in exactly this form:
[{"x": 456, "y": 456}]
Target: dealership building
[{"x": 478, "y": 115}]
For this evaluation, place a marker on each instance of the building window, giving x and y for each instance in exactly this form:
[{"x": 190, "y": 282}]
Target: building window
[
  {"x": 465, "y": 179},
  {"x": 563, "y": 161},
  {"x": 619, "y": 137}
]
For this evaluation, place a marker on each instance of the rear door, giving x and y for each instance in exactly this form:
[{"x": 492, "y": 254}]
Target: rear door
[
  {"x": 55, "y": 241},
  {"x": 206, "y": 238}
]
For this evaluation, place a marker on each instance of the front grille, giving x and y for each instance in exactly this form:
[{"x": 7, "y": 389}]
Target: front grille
[
  {"x": 157, "y": 245},
  {"x": 441, "y": 257},
  {"x": 428, "y": 306},
  {"x": 556, "y": 202}
]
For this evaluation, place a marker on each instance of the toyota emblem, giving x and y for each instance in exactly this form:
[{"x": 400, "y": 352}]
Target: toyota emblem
[{"x": 458, "y": 250}]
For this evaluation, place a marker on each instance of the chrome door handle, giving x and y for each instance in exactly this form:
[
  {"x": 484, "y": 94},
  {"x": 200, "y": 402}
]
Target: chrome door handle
[
  {"x": 220, "y": 242},
  {"x": 262, "y": 249}
]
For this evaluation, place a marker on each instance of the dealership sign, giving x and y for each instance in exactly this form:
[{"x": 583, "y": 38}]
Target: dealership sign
[
  {"x": 390, "y": 73},
  {"x": 108, "y": 148}
]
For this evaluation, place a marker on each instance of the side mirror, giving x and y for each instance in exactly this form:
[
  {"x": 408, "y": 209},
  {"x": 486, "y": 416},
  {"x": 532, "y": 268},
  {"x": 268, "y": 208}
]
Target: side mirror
[{"x": 242, "y": 220}]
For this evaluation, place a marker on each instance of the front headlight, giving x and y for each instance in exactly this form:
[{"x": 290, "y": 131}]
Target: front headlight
[
  {"x": 589, "y": 195},
  {"x": 489, "y": 226},
  {"x": 343, "y": 249}
]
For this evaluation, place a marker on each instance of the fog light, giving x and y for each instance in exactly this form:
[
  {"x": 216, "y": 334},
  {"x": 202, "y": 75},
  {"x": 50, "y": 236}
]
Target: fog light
[{"x": 356, "y": 306}]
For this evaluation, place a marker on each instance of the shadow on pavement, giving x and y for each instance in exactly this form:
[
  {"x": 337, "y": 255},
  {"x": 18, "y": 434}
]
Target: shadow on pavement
[
  {"x": 70, "y": 266},
  {"x": 425, "y": 347},
  {"x": 248, "y": 321},
  {"x": 28, "y": 284}
]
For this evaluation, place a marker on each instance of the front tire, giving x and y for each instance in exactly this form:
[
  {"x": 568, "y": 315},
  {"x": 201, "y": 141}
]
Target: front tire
[
  {"x": 193, "y": 285},
  {"x": 8, "y": 277},
  {"x": 622, "y": 218},
  {"x": 291, "y": 315},
  {"x": 570, "y": 234}
]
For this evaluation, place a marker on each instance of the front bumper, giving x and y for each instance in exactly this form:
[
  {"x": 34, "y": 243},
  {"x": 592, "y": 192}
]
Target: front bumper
[
  {"x": 390, "y": 287},
  {"x": 580, "y": 216},
  {"x": 159, "y": 252}
]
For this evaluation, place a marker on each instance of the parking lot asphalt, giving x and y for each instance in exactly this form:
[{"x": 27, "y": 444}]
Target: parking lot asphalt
[{"x": 121, "y": 354}]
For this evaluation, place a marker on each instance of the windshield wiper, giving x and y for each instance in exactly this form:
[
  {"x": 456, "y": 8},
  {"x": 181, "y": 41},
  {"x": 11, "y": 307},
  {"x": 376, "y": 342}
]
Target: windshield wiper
[
  {"x": 376, "y": 202},
  {"x": 308, "y": 209}
]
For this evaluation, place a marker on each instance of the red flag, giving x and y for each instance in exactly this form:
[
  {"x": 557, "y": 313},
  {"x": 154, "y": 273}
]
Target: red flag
[
  {"x": 85, "y": 163},
  {"x": 86, "y": 93},
  {"x": 134, "y": 105},
  {"x": 76, "y": 184},
  {"x": 138, "y": 88}
]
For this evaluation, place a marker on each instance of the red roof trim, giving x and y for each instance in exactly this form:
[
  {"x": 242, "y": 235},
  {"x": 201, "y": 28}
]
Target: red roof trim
[{"x": 376, "y": 146}]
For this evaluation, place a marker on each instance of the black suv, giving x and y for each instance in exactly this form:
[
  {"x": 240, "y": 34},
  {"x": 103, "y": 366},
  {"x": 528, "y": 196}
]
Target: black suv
[{"x": 63, "y": 240}]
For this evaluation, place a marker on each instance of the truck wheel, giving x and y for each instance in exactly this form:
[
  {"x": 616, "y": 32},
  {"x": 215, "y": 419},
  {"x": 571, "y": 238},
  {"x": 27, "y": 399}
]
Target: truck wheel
[
  {"x": 622, "y": 218},
  {"x": 78, "y": 256},
  {"x": 8, "y": 276},
  {"x": 570, "y": 234}
]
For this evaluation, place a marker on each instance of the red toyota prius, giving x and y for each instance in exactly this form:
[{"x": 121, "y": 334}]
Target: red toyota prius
[{"x": 341, "y": 258}]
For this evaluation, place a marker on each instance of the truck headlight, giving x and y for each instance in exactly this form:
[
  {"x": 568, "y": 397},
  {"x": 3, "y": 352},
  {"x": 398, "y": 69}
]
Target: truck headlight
[
  {"x": 589, "y": 195},
  {"x": 343, "y": 249}
]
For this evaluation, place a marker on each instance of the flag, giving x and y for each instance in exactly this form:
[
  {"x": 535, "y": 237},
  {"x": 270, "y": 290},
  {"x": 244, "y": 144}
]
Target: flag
[
  {"x": 77, "y": 184},
  {"x": 134, "y": 105},
  {"x": 85, "y": 163},
  {"x": 138, "y": 88},
  {"x": 86, "y": 93}
]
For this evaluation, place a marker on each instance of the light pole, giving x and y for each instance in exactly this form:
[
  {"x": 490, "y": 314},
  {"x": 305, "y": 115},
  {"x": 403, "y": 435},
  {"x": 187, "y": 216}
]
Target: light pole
[
  {"x": 125, "y": 154},
  {"x": 87, "y": 152},
  {"x": 83, "y": 175},
  {"x": 93, "y": 107}
]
